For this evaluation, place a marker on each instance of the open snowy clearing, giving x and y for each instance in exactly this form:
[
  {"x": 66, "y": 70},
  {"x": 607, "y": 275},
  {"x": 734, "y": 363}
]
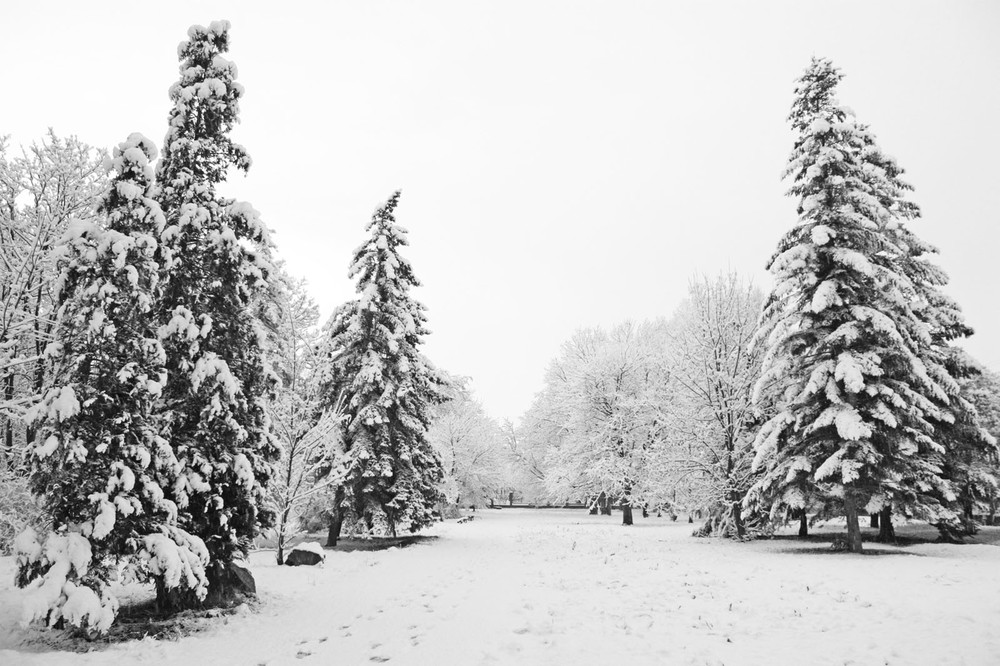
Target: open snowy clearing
[{"x": 561, "y": 587}]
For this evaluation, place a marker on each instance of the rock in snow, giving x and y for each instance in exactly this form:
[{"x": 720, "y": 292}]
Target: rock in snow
[{"x": 309, "y": 553}]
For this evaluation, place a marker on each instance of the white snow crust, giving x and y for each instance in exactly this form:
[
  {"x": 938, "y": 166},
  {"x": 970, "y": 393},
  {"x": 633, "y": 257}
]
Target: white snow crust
[{"x": 561, "y": 587}]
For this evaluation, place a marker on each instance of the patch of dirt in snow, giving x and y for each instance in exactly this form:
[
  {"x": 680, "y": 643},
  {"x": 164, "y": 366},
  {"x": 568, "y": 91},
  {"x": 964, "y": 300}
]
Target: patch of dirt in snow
[{"x": 563, "y": 587}]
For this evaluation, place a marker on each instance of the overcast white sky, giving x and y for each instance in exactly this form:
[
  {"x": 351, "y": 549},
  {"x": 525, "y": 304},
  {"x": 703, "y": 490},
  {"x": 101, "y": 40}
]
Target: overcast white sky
[{"x": 563, "y": 164}]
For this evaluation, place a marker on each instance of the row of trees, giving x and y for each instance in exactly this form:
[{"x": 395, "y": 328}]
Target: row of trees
[
  {"x": 173, "y": 394},
  {"x": 166, "y": 390},
  {"x": 656, "y": 415},
  {"x": 147, "y": 434},
  {"x": 842, "y": 392}
]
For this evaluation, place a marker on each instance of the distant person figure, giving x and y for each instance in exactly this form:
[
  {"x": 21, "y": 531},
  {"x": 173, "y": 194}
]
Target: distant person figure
[{"x": 510, "y": 498}]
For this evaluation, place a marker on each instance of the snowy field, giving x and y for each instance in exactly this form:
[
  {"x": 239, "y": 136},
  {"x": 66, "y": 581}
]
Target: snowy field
[{"x": 561, "y": 587}]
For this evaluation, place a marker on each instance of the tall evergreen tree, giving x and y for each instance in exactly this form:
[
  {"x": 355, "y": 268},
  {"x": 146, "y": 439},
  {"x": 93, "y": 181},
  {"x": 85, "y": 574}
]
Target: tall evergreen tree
[
  {"x": 861, "y": 395},
  {"x": 215, "y": 254},
  {"x": 387, "y": 387},
  {"x": 98, "y": 460},
  {"x": 967, "y": 444}
]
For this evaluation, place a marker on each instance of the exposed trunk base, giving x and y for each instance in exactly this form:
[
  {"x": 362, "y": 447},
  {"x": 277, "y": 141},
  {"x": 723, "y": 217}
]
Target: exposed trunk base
[
  {"x": 886, "y": 532},
  {"x": 336, "y": 519},
  {"x": 853, "y": 527},
  {"x": 803, "y": 524},
  {"x": 333, "y": 530},
  {"x": 627, "y": 515},
  {"x": 737, "y": 516},
  {"x": 604, "y": 504},
  {"x": 969, "y": 525}
]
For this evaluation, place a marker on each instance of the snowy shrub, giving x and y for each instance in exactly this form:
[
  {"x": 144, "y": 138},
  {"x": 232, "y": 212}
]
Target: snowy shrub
[
  {"x": 176, "y": 560},
  {"x": 70, "y": 587}
]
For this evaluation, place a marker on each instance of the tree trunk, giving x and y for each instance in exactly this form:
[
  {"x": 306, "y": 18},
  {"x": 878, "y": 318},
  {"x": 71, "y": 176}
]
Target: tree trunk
[
  {"x": 737, "y": 516},
  {"x": 968, "y": 510},
  {"x": 336, "y": 519},
  {"x": 803, "y": 524},
  {"x": 282, "y": 522},
  {"x": 645, "y": 511},
  {"x": 874, "y": 520},
  {"x": 8, "y": 425},
  {"x": 886, "y": 532},
  {"x": 604, "y": 503},
  {"x": 853, "y": 528}
]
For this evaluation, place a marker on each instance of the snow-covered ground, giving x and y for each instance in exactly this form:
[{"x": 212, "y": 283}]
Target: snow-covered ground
[{"x": 561, "y": 587}]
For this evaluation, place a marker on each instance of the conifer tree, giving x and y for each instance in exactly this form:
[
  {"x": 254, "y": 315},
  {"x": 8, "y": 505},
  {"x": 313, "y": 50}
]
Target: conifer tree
[
  {"x": 386, "y": 386},
  {"x": 967, "y": 444},
  {"x": 861, "y": 395},
  {"x": 98, "y": 460},
  {"x": 215, "y": 254}
]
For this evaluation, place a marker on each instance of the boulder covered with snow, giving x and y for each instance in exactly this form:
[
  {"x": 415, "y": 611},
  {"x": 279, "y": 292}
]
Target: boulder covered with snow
[{"x": 309, "y": 553}]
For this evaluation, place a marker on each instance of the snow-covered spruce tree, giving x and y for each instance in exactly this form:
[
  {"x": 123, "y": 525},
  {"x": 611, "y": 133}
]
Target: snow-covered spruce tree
[
  {"x": 982, "y": 390},
  {"x": 968, "y": 446},
  {"x": 854, "y": 424},
  {"x": 215, "y": 256},
  {"x": 387, "y": 387},
  {"x": 98, "y": 460}
]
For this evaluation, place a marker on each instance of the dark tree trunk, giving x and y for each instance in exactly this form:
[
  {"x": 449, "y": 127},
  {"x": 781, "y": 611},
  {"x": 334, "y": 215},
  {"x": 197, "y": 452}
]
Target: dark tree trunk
[
  {"x": 336, "y": 519},
  {"x": 803, "y": 524},
  {"x": 605, "y": 504},
  {"x": 737, "y": 513},
  {"x": 853, "y": 527},
  {"x": 8, "y": 424},
  {"x": 886, "y": 532},
  {"x": 969, "y": 527},
  {"x": 333, "y": 530},
  {"x": 645, "y": 512},
  {"x": 873, "y": 520}
]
